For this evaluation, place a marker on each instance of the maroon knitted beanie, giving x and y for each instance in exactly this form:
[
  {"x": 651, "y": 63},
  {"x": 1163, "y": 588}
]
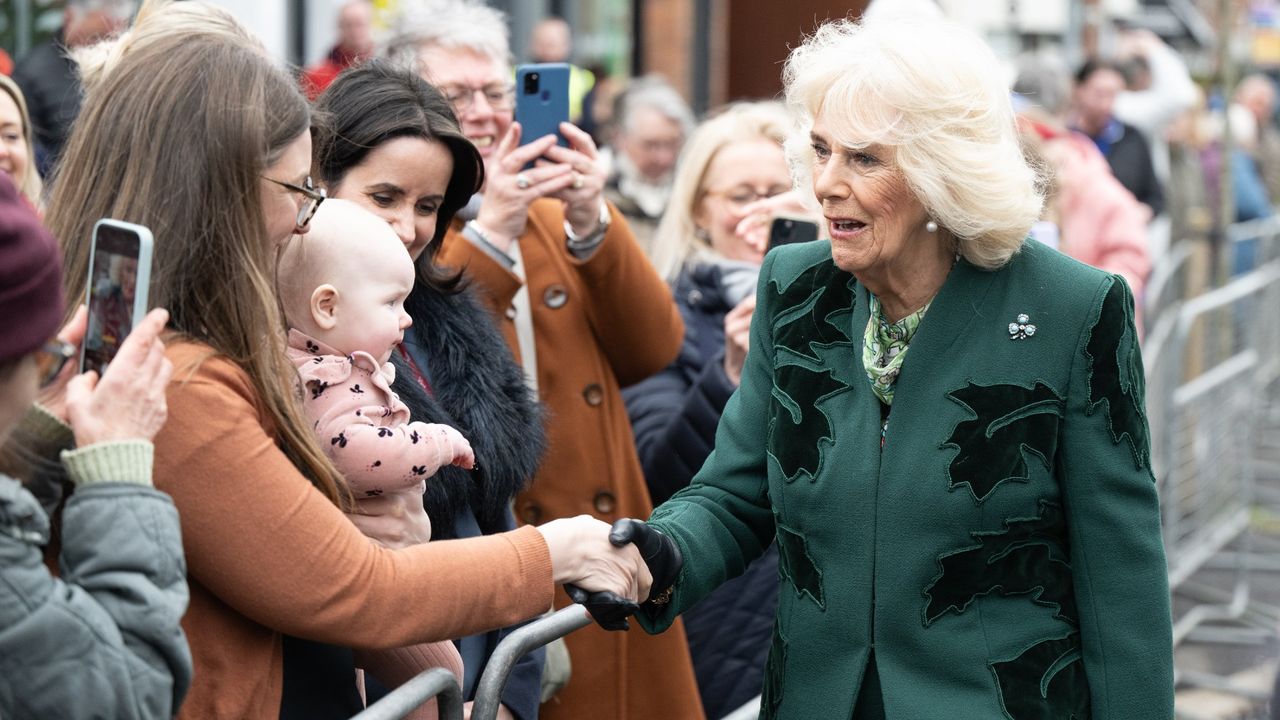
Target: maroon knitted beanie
[{"x": 30, "y": 277}]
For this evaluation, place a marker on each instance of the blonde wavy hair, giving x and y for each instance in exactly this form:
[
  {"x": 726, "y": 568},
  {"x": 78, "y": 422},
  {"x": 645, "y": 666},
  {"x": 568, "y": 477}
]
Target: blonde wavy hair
[
  {"x": 935, "y": 93},
  {"x": 29, "y": 184},
  {"x": 676, "y": 241}
]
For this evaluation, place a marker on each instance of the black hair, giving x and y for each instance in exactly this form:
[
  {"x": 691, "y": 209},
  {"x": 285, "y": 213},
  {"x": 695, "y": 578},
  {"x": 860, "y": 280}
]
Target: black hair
[
  {"x": 1093, "y": 65},
  {"x": 378, "y": 101}
]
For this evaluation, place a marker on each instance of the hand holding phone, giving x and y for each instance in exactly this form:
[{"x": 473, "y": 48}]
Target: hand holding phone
[
  {"x": 542, "y": 101},
  {"x": 126, "y": 402},
  {"x": 787, "y": 230},
  {"x": 119, "y": 278}
]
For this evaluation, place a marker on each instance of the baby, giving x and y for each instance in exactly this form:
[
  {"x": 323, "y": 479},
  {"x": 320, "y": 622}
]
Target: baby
[{"x": 343, "y": 287}]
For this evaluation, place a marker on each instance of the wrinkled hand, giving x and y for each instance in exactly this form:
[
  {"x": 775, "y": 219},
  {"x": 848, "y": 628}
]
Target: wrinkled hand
[
  {"x": 585, "y": 193},
  {"x": 128, "y": 402},
  {"x": 505, "y": 210},
  {"x": 54, "y": 395},
  {"x": 582, "y": 554},
  {"x": 737, "y": 338},
  {"x": 757, "y": 217}
]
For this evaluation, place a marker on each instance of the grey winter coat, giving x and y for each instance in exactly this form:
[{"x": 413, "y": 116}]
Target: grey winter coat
[{"x": 103, "y": 640}]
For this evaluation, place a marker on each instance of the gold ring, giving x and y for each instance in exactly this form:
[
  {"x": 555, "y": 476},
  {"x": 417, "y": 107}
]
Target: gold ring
[
  {"x": 522, "y": 181},
  {"x": 577, "y": 181}
]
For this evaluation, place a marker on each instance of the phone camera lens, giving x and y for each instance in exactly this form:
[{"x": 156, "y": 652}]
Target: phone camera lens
[{"x": 531, "y": 84}]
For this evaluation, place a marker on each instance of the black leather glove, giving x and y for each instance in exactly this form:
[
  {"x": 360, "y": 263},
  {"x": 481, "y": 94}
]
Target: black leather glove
[
  {"x": 610, "y": 611},
  {"x": 659, "y": 552},
  {"x": 663, "y": 559}
]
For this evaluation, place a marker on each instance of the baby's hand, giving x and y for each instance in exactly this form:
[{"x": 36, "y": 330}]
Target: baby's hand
[{"x": 450, "y": 446}]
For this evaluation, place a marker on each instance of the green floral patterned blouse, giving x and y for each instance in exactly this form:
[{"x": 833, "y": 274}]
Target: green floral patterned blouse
[{"x": 884, "y": 345}]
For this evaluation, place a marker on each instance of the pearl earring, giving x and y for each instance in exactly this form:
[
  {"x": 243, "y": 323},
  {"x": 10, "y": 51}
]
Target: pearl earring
[{"x": 931, "y": 226}]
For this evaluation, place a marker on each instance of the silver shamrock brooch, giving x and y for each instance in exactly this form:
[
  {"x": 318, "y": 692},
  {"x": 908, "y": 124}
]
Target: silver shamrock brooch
[{"x": 1022, "y": 329}]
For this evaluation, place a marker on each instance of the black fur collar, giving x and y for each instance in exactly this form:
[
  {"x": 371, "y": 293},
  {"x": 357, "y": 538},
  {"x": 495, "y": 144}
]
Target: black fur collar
[{"x": 479, "y": 390}]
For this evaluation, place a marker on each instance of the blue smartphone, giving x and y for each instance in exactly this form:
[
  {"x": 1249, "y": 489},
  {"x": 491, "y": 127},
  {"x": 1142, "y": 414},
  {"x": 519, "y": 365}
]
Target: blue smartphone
[
  {"x": 119, "y": 277},
  {"x": 542, "y": 101}
]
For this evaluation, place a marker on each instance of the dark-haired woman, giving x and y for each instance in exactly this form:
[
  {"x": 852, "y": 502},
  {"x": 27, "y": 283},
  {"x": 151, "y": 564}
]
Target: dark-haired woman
[{"x": 389, "y": 141}]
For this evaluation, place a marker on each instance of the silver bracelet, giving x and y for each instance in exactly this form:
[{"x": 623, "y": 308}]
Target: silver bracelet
[{"x": 593, "y": 237}]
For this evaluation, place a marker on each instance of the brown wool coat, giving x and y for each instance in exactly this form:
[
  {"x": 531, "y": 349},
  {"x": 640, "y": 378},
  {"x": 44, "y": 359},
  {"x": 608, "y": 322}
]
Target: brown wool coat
[
  {"x": 268, "y": 554},
  {"x": 599, "y": 324}
]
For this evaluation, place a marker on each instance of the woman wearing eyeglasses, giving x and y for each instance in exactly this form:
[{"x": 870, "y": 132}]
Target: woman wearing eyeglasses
[
  {"x": 282, "y": 583},
  {"x": 104, "y": 638},
  {"x": 582, "y": 309}
]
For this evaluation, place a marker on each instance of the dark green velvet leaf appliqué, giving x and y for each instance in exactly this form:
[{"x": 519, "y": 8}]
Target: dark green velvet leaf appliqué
[
  {"x": 1029, "y": 557},
  {"x": 1045, "y": 682},
  {"x": 813, "y": 316},
  {"x": 1115, "y": 374},
  {"x": 795, "y": 564},
  {"x": 801, "y": 431},
  {"x": 824, "y": 295},
  {"x": 775, "y": 670},
  {"x": 1008, "y": 419}
]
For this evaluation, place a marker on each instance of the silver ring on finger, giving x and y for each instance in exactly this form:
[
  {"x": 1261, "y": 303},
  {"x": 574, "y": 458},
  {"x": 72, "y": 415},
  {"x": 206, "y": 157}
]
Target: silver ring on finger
[
  {"x": 522, "y": 181},
  {"x": 577, "y": 181}
]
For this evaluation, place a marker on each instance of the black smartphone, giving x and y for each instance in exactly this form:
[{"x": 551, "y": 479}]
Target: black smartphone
[
  {"x": 542, "y": 101},
  {"x": 119, "y": 278},
  {"x": 787, "y": 230}
]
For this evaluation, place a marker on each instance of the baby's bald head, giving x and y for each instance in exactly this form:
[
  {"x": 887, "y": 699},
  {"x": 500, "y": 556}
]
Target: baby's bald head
[{"x": 347, "y": 247}]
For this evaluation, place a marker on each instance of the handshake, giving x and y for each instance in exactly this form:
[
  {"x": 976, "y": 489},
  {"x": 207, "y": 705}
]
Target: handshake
[{"x": 613, "y": 571}]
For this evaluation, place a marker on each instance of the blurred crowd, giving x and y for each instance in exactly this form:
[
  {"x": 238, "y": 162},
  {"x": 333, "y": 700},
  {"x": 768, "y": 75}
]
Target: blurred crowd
[{"x": 582, "y": 320}]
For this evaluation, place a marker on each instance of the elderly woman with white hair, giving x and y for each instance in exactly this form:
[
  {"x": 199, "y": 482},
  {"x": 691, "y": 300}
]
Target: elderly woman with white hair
[
  {"x": 941, "y": 423},
  {"x": 585, "y": 314}
]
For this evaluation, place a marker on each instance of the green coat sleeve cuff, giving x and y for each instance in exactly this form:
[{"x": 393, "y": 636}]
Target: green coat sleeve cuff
[{"x": 124, "y": 461}]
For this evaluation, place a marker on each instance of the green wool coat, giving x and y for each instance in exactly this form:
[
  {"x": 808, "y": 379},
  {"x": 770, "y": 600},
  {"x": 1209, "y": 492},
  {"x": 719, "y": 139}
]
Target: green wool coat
[{"x": 1001, "y": 555}]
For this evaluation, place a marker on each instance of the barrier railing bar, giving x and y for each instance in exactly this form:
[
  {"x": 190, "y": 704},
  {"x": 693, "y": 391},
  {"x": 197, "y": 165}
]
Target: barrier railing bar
[
  {"x": 1239, "y": 287},
  {"x": 437, "y": 682},
  {"x": 517, "y": 645},
  {"x": 1215, "y": 378}
]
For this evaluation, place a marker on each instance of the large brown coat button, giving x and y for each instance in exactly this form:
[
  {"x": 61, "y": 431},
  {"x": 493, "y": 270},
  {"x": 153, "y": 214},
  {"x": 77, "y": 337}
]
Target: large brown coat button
[
  {"x": 593, "y": 394},
  {"x": 531, "y": 514},
  {"x": 555, "y": 296},
  {"x": 605, "y": 502}
]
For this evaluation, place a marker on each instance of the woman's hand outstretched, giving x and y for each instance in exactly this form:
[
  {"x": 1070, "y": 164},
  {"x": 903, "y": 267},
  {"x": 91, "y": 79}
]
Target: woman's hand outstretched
[{"x": 582, "y": 555}]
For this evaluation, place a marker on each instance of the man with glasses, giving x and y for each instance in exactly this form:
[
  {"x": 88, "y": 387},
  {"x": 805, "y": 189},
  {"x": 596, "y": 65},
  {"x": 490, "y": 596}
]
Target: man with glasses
[{"x": 49, "y": 78}]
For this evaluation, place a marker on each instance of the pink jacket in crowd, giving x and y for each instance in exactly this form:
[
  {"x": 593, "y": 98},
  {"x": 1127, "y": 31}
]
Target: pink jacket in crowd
[{"x": 1102, "y": 224}]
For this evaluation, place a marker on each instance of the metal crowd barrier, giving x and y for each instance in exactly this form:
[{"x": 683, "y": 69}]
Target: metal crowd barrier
[
  {"x": 515, "y": 646},
  {"x": 1212, "y": 363},
  {"x": 436, "y": 682},
  {"x": 441, "y": 684},
  {"x": 1167, "y": 284}
]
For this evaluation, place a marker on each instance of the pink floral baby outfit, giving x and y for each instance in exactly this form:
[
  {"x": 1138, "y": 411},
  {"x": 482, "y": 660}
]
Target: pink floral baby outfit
[{"x": 365, "y": 429}]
